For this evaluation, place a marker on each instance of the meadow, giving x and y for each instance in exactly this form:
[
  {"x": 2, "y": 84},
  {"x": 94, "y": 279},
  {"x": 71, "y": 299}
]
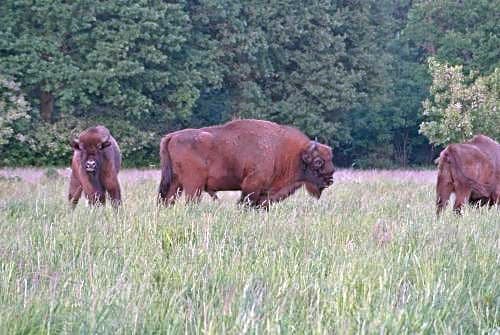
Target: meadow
[{"x": 369, "y": 257}]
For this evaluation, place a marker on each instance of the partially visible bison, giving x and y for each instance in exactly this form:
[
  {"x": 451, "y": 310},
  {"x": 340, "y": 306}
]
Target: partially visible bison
[
  {"x": 471, "y": 170},
  {"x": 266, "y": 161},
  {"x": 94, "y": 167}
]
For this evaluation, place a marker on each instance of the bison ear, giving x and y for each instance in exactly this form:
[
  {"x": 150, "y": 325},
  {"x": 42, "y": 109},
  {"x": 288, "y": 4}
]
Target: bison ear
[
  {"x": 75, "y": 144},
  {"x": 105, "y": 144}
]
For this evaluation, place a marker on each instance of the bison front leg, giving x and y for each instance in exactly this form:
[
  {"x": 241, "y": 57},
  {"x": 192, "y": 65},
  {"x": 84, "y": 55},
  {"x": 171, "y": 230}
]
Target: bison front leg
[
  {"x": 257, "y": 200},
  {"x": 96, "y": 199},
  {"x": 112, "y": 186},
  {"x": 75, "y": 191},
  {"x": 115, "y": 196},
  {"x": 251, "y": 191},
  {"x": 283, "y": 193}
]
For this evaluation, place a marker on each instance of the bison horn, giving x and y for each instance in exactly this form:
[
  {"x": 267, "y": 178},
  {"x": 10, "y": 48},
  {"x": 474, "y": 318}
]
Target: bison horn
[
  {"x": 312, "y": 146},
  {"x": 307, "y": 156},
  {"x": 106, "y": 143},
  {"x": 75, "y": 144}
]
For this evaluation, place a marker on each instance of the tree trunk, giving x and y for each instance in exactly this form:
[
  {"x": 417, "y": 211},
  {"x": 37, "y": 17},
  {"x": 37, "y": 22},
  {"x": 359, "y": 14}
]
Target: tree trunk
[
  {"x": 405, "y": 149},
  {"x": 46, "y": 106}
]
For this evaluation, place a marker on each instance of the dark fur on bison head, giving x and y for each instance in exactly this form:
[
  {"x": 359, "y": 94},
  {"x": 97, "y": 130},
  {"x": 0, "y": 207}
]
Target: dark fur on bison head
[
  {"x": 90, "y": 145},
  {"x": 318, "y": 167}
]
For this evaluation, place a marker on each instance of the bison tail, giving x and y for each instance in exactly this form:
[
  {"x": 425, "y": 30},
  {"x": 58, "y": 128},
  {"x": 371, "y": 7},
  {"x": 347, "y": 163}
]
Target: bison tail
[{"x": 166, "y": 170}]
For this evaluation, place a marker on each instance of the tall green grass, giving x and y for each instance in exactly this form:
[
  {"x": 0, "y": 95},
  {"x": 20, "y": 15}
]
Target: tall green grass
[{"x": 369, "y": 257}]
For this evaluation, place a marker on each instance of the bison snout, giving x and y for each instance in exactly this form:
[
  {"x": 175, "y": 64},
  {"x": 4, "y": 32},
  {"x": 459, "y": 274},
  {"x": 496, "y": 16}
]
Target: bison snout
[
  {"x": 90, "y": 166},
  {"x": 328, "y": 177}
]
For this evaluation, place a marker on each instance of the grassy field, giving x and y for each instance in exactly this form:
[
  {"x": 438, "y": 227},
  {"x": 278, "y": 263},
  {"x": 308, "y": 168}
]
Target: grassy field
[{"x": 369, "y": 257}]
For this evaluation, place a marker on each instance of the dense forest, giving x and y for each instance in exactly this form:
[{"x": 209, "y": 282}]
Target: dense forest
[{"x": 384, "y": 82}]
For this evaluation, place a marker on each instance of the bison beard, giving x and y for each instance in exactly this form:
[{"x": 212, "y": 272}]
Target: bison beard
[
  {"x": 94, "y": 167},
  {"x": 267, "y": 162},
  {"x": 471, "y": 170}
]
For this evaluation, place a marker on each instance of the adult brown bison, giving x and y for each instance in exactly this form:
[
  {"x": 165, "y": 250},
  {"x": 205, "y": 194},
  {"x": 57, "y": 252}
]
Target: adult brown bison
[
  {"x": 94, "y": 167},
  {"x": 266, "y": 161},
  {"x": 471, "y": 170}
]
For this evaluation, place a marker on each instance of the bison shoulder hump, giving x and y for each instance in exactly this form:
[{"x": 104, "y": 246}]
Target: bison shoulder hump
[
  {"x": 203, "y": 137},
  {"x": 194, "y": 139}
]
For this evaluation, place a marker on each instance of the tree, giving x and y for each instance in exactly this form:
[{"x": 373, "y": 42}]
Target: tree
[
  {"x": 350, "y": 73},
  {"x": 458, "y": 32},
  {"x": 306, "y": 64},
  {"x": 384, "y": 129},
  {"x": 135, "y": 57},
  {"x": 138, "y": 66},
  {"x": 461, "y": 106},
  {"x": 13, "y": 107}
]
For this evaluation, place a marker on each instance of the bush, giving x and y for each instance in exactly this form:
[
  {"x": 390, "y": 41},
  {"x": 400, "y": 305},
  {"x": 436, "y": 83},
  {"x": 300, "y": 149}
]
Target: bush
[
  {"x": 47, "y": 144},
  {"x": 460, "y": 106}
]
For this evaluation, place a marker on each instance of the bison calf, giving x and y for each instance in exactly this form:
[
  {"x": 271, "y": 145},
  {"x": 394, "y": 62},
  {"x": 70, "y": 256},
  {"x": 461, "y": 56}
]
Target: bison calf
[
  {"x": 267, "y": 162},
  {"x": 471, "y": 170},
  {"x": 94, "y": 167}
]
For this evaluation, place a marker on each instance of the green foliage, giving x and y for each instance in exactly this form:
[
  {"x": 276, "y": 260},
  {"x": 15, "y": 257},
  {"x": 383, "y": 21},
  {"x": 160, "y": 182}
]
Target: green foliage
[
  {"x": 349, "y": 73},
  {"x": 13, "y": 107},
  {"x": 458, "y": 32},
  {"x": 383, "y": 131},
  {"x": 118, "y": 55},
  {"x": 48, "y": 144},
  {"x": 461, "y": 106},
  {"x": 301, "y": 64},
  {"x": 129, "y": 65}
]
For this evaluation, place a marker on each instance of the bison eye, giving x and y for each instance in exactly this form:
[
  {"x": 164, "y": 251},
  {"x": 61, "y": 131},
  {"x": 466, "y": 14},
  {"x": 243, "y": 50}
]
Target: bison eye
[{"x": 318, "y": 163}]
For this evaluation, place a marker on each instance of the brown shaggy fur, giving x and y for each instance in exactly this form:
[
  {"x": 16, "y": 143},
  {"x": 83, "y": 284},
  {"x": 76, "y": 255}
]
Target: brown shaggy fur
[
  {"x": 94, "y": 167},
  {"x": 471, "y": 170},
  {"x": 266, "y": 161}
]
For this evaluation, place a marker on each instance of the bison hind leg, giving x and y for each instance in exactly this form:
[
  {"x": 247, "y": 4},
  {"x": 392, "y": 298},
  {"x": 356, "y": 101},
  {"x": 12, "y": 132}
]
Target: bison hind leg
[
  {"x": 479, "y": 202},
  {"x": 169, "y": 197},
  {"x": 213, "y": 194},
  {"x": 462, "y": 197},
  {"x": 193, "y": 192}
]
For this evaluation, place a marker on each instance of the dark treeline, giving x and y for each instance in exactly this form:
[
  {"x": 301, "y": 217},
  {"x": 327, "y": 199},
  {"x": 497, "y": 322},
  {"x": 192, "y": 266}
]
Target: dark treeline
[{"x": 351, "y": 73}]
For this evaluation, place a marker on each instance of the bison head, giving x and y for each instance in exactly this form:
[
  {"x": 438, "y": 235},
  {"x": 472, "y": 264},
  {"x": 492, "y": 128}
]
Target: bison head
[
  {"x": 318, "y": 168},
  {"x": 90, "y": 145}
]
